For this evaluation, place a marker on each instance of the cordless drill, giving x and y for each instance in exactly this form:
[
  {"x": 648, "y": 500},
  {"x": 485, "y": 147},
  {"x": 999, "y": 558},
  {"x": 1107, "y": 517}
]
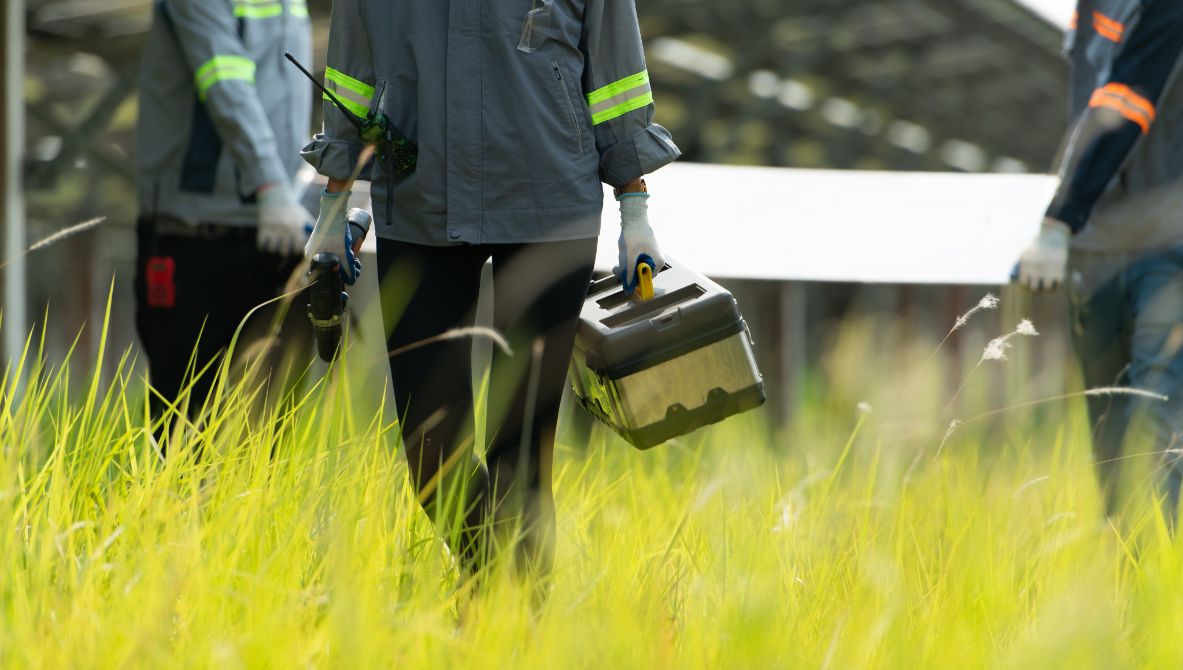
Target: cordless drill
[{"x": 327, "y": 298}]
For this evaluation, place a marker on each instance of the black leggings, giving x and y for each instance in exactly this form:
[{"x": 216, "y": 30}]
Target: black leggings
[{"x": 538, "y": 292}]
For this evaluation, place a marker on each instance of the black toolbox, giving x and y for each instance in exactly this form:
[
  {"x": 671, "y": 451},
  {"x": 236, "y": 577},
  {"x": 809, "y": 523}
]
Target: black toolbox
[{"x": 657, "y": 369}]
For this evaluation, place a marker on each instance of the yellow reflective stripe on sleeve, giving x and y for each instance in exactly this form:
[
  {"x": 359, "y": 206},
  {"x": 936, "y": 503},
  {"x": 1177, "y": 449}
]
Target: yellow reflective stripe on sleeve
[
  {"x": 223, "y": 68},
  {"x": 623, "y": 108},
  {"x": 299, "y": 9},
  {"x": 620, "y": 97},
  {"x": 617, "y": 87},
  {"x": 258, "y": 9},
  {"x": 356, "y": 95}
]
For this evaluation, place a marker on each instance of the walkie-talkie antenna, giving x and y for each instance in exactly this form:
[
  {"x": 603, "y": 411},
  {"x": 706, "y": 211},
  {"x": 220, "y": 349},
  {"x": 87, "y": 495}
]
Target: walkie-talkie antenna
[{"x": 329, "y": 94}]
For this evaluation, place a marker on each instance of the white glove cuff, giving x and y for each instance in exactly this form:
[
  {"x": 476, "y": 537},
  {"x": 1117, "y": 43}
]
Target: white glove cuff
[
  {"x": 334, "y": 210},
  {"x": 277, "y": 196},
  {"x": 634, "y": 209},
  {"x": 1056, "y": 230}
]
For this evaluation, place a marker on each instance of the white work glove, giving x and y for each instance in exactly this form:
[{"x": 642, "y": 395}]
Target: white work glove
[
  {"x": 283, "y": 222},
  {"x": 637, "y": 241},
  {"x": 333, "y": 234},
  {"x": 1044, "y": 262}
]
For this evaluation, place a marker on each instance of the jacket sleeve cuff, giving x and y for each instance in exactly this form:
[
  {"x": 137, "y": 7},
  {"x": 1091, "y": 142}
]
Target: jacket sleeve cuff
[
  {"x": 335, "y": 159},
  {"x": 1072, "y": 213},
  {"x": 650, "y": 148},
  {"x": 269, "y": 171}
]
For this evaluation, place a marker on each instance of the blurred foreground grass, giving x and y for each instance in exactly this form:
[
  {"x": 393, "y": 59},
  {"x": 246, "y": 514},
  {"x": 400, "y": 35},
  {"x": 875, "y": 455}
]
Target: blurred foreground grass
[{"x": 843, "y": 542}]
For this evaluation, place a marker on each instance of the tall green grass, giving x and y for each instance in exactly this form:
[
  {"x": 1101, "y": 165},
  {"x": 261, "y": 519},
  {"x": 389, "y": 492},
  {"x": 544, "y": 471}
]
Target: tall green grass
[{"x": 294, "y": 541}]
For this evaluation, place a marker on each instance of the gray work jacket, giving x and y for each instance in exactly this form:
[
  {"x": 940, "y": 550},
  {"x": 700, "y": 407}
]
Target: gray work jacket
[
  {"x": 221, "y": 111},
  {"x": 517, "y": 120},
  {"x": 1119, "y": 51}
]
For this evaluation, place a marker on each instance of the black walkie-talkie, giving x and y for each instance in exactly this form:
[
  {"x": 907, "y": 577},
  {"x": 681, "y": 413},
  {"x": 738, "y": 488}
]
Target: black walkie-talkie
[{"x": 393, "y": 148}]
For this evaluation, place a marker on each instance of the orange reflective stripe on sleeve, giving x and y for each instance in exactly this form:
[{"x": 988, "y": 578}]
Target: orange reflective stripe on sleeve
[
  {"x": 1107, "y": 27},
  {"x": 1075, "y": 19},
  {"x": 1125, "y": 101}
]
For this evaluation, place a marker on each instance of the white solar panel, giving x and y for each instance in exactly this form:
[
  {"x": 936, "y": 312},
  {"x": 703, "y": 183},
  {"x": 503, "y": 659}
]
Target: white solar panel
[
  {"x": 1056, "y": 11},
  {"x": 831, "y": 225}
]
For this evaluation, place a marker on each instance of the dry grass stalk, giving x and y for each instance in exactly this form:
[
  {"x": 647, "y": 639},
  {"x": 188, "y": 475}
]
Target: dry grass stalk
[{"x": 58, "y": 236}]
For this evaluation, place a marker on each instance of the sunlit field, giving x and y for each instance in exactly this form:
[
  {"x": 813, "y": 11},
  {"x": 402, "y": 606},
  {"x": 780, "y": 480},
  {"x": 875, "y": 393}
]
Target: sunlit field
[{"x": 863, "y": 536}]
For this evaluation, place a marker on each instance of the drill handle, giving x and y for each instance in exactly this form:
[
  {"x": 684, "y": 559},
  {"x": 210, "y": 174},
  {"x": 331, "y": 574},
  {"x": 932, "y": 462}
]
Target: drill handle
[
  {"x": 359, "y": 222},
  {"x": 326, "y": 303}
]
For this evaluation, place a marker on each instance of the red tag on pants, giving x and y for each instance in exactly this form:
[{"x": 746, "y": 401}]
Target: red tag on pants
[{"x": 162, "y": 287}]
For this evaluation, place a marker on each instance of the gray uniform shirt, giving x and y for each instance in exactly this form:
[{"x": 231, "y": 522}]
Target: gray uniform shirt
[
  {"x": 221, "y": 111},
  {"x": 519, "y": 108}
]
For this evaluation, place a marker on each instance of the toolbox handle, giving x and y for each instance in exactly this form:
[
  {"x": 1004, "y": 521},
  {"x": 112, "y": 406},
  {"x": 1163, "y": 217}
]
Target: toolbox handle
[{"x": 642, "y": 310}]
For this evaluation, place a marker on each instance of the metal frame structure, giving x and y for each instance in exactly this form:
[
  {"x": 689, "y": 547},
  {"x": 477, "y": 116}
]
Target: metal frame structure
[
  {"x": 12, "y": 146},
  {"x": 846, "y": 82},
  {"x": 839, "y": 75}
]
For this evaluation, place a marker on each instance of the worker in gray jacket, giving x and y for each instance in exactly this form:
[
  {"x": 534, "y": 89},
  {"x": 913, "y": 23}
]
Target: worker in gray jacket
[
  {"x": 1114, "y": 231},
  {"x": 222, "y": 120},
  {"x": 519, "y": 110}
]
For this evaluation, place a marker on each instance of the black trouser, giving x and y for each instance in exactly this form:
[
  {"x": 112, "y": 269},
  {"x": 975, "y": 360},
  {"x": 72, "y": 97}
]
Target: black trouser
[
  {"x": 219, "y": 276},
  {"x": 537, "y": 296}
]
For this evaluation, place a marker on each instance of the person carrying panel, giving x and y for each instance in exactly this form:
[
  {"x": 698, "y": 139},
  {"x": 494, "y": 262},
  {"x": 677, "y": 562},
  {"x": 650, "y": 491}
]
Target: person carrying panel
[{"x": 1114, "y": 231}]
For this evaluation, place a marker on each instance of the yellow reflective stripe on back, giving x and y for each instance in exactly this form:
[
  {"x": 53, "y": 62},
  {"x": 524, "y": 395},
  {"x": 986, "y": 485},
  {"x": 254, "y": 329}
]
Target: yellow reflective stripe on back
[
  {"x": 299, "y": 9},
  {"x": 223, "y": 68},
  {"x": 356, "y": 95},
  {"x": 257, "y": 9},
  {"x": 617, "y": 87}
]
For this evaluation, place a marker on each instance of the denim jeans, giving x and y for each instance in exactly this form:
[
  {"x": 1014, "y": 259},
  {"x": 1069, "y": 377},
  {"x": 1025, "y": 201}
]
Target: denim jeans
[{"x": 1127, "y": 329}]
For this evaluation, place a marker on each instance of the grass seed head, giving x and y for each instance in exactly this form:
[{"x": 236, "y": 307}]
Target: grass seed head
[
  {"x": 996, "y": 349},
  {"x": 989, "y": 301},
  {"x": 1126, "y": 390}
]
